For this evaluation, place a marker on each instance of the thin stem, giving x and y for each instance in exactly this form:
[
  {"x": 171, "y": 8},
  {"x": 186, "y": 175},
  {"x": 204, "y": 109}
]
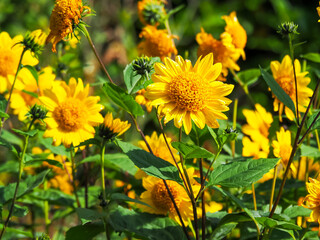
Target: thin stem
[
  {"x": 11, "y": 90},
  {"x": 203, "y": 207},
  {"x": 295, "y": 76},
  {"x": 273, "y": 186},
  {"x": 243, "y": 86},
  {"x": 234, "y": 125},
  {"x": 164, "y": 181},
  {"x": 103, "y": 183},
  {"x": 97, "y": 55},
  {"x": 73, "y": 177},
  {"x": 171, "y": 153},
  {"x": 46, "y": 208},
  {"x": 254, "y": 197},
  {"x": 310, "y": 127},
  {"x": 21, "y": 165}
]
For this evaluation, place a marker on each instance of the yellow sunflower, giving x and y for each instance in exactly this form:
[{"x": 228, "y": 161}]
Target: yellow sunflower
[
  {"x": 9, "y": 59},
  {"x": 259, "y": 122},
  {"x": 151, "y": 11},
  {"x": 305, "y": 167},
  {"x": 22, "y": 98},
  {"x": 72, "y": 113},
  {"x": 318, "y": 10},
  {"x": 223, "y": 50},
  {"x": 111, "y": 128},
  {"x": 282, "y": 146},
  {"x": 156, "y": 43},
  {"x": 283, "y": 74},
  {"x": 142, "y": 100},
  {"x": 237, "y": 32},
  {"x": 157, "y": 197},
  {"x": 312, "y": 200},
  {"x": 254, "y": 149},
  {"x": 190, "y": 93},
  {"x": 65, "y": 15}
]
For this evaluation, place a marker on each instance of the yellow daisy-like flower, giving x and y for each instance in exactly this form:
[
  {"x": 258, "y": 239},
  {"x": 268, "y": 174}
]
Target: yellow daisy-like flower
[
  {"x": 307, "y": 167},
  {"x": 64, "y": 17},
  {"x": 151, "y": 11},
  {"x": 9, "y": 59},
  {"x": 259, "y": 122},
  {"x": 190, "y": 93},
  {"x": 111, "y": 128},
  {"x": 157, "y": 197},
  {"x": 237, "y": 32},
  {"x": 318, "y": 10},
  {"x": 21, "y": 99},
  {"x": 283, "y": 74},
  {"x": 72, "y": 113},
  {"x": 159, "y": 147},
  {"x": 282, "y": 146},
  {"x": 156, "y": 43},
  {"x": 142, "y": 100},
  {"x": 224, "y": 51},
  {"x": 312, "y": 200},
  {"x": 254, "y": 149}
]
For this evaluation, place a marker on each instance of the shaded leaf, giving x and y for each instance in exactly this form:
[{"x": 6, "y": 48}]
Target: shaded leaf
[
  {"x": 296, "y": 211},
  {"x": 313, "y": 57},
  {"x": 249, "y": 76},
  {"x": 125, "y": 198},
  {"x": 30, "y": 133},
  {"x": 53, "y": 196},
  {"x": 308, "y": 151},
  {"x": 149, "y": 163},
  {"x": 316, "y": 125},
  {"x": 190, "y": 151},
  {"x": 272, "y": 223},
  {"x": 85, "y": 232},
  {"x": 277, "y": 90},
  {"x": 222, "y": 231},
  {"x": 88, "y": 215}
]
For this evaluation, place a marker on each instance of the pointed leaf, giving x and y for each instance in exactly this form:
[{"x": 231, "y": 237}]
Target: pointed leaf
[
  {"x": 190, "y": 151},
  {"x": 29, "y": 133},
  {"x": 313, "y": 57},
  {"x": 249, "y": 76},
  {"x": 277, "y": 90}
]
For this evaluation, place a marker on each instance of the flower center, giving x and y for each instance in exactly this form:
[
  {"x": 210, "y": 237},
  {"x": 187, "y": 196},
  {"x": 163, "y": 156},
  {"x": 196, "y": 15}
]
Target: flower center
[
  {"x": 287, "y": 85},
  {"x": 189, "y": 91},
  {"x": 160, "y": 196},
  {"x": 70, "y": 115},
  {"x": 8, "y": 63}
]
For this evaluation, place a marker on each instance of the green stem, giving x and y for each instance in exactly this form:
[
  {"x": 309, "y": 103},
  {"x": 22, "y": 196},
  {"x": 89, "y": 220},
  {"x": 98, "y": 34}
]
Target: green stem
[
  {"x": 74, "y": 177},
  {"x": 11, "y": 90},
  {"x": 254, "y": 197},
  {"x": 103, "y": 183},
  {"x": 243, "y": 86},
  {"x": 86, "y": 33},
  {"x": 46, "y": 208},
  {"x": 273, "y": 187},
  {"x": 21, "y": 165},
  {"x": 291, "y": 49}
]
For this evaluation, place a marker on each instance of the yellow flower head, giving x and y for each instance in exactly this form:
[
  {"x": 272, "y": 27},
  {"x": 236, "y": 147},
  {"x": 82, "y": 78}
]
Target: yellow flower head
[
  {"x": 159, "y": 147},
  {"x": 34, "y": 41},
  {"x": 237, "y": 32},
  {"x": 157, "y": 197},
  {"x": 142, "y": 100},
  {"x": 151, "y": 11},
  {"x": 156, "y": 43},
  {"x": 9, "y": 59},
  {"x": 22, "y": 98},
  {"x": 65, "y": 16},
  {"x": 312, "y": 200},
  {"x": 224, "y": 51},
  {"x": 190, "y": 92},
  {"x": 283, "y": 74},
  {"x": 72, "y": 113},
  {"x": 111, "y": 128},
  {"x": 282, "y": 146},
  {"x": 254, "y": 149},
  {"x": 259, "y": 122},
  {"x": 306, "y": 166}
]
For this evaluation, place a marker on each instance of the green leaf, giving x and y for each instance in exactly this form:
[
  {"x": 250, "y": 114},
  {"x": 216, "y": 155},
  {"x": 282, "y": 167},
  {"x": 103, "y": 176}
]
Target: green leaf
[
  {"x": 9, "y": 167},
  {"x": 3, "y": 103},
  {"x": 39, "y": 162},
  {"x": 308, "y": 151},
  {"x": 131, "y": 79},
  {"x": 272, "y": 223},
  {"x": 316, "y": 125},
  {"x": 17, "y": 231},
  {"x": 33, "y": 71},
  {"x": 12, "y": 138},
  {"x": 123, "y": 99},
  {"x": 125, "y": 198},
  {"x": 313, "y": 57},
  {"x": 30, "y": 133},
  {"x": 88, "y": 215},
  {"x": 4, "y": 115},
  {"x": 5, "y": 143},
  {"x": 85, "y": 232},
  {"x": 47, "y": 143},
  {"x": 7, "y": 192},
  {"x": 190, "y": 151},
  {"x": 20, "y": 211},
  {"x": 297, "y": 211},
  {"x": 149, "y": 226},
  {"x": 249, "y": 76},
  {"x": 32, "y": 94},
  {"x": 149, "y": 163},
  {"x": 241, "y": 173},
  {"x": 222, "y": 231},
  {"x": 53, "y": 196},
  {"x": 277, "y": 90},
  {"x": 238, "y": 202}
]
